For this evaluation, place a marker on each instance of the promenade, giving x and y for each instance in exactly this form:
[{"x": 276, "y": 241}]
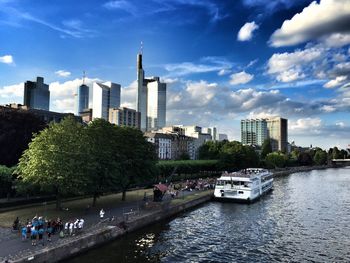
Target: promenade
[{"x": 12, "y": 248}]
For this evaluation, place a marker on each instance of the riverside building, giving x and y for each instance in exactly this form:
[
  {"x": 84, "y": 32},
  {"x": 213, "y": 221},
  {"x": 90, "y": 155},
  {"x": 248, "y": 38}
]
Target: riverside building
[
  {"x": 253, "y": 131},
  {"x": 37, "y": 94},
  {"x": 125, "y": 117}
]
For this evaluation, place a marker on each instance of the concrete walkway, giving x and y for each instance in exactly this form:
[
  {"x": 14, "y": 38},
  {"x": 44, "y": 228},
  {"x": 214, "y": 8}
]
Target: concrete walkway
[{"x": 12, "y": 246}]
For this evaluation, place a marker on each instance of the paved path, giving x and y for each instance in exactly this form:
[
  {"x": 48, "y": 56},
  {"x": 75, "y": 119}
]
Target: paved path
[{"x": 11, "y": 244}]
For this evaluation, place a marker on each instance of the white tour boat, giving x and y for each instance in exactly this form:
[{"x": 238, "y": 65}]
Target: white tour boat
[{"x": 245, "y": 185}]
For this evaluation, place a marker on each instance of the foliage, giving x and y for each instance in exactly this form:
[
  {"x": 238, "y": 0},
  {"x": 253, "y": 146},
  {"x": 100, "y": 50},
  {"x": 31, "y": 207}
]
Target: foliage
[
  {"x": 320, "y": 157},
  {"x": 305, "y": 158},
  {"x": 102, "y": 158},
  {"x": 6, "y": 180},
  {"x": 136, "y": 157},
  {"x": 17, "y": 128},
  {"x": 266, "y": 148},
  {"x": 210, "y": 150},
  {"x": 276, "y": 160},
  {"x": 56, "y": 159},
  {"x": 235, "y": 156}
]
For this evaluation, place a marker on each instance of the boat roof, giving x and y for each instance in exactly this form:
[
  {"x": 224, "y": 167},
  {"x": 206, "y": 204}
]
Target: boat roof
[{"x": 248, "y": 173}]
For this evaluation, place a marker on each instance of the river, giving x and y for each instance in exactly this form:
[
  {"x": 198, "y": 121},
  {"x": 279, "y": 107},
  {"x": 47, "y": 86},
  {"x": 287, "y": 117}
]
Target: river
[{"x": 305, "y": 219}]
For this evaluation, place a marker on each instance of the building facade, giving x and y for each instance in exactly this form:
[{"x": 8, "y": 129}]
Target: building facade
[
  {"x": 82, "y": 99},
  {"x": 125, "y": 117},
  {"x": 253, "y": 131},
  {"x": 223, "y": 137},
  {"x": 150, "y": 100},
  {"x": 105, "y": 96},
  {"x": 162, "y": 143},
  {"x": 278, "y": 133},
  {"x": 37, "y": 94}
]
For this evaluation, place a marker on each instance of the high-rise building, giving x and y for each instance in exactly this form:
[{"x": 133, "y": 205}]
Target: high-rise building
[
  {"x": 82, "y": 99},
  {"x": 151, "y": 99},
  {"x": 105, "y": 96},
  {"x": 253, "y": 131},
  {"x": 278, "y": 133},
  {"x": 222, "y": 137},
  {"x": 125, "y": 117},
  {"x": 37, "y": 94},
  {"x": 213, "y": 132}
]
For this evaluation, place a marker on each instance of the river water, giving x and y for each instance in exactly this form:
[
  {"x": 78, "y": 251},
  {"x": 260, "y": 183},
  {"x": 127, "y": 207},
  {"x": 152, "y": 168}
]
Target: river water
[{"x": 305, "y": 219}]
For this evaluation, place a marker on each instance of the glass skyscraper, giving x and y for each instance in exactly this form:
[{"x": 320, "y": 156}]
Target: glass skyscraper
[
  {"x": 37, "y": 94},
  {"x": 82, "y": 99},
  {"x": 254, "y": 131}
]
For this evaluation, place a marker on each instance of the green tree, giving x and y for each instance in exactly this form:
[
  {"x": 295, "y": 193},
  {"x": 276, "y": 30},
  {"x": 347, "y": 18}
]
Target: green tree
[
  {"x": 56, "y": 159},
  {"x": 103, "y": 158},
  {"x": 266, "y": 148},
  {"x": 276, "y": 160},
  {"x": 320, "y": 157},
  {"x": 210, "y": 150},
  {"x": 305, "y": 158},
  {"x": 137, "y": 158},
  {"x": 6, "y": 180}
]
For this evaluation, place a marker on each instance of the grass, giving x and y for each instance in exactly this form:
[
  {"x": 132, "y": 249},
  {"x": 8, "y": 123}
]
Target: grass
[{"x": 76, "y": 208}]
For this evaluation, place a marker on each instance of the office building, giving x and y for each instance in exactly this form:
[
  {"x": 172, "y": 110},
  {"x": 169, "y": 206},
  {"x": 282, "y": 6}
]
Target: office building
[
  {"x": 213, "y": 132},
  {"x": 162, "y": 143},
  {"x": 82, "y": 99},
  {"x": 253, "y": 131},
  {"x": 37, "y": 94},
  {"x": 223, "y": 137},
  {"x": 278, "y": 133},
  {"x": 125, "y": 117},
  {"x": 105, "y": 96},
  {"x": 150, "y": 100}
]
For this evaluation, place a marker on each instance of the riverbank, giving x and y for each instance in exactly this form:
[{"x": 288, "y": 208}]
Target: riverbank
[
  {"x": 110, "y": 229},
  {"x": 298, "y": 169}
]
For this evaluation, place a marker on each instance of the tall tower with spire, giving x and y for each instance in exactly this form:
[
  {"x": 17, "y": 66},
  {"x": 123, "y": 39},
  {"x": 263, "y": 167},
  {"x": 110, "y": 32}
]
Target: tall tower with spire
[
  {"x": 82, "y": 97},
  {"x": 151, "y": 99}
]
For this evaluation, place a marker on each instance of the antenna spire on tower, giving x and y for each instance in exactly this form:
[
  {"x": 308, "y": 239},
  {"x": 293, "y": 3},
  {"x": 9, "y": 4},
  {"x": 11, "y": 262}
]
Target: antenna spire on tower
[
  {"x": 84, "y": 77},
  {"x": 141, "y": 49}
]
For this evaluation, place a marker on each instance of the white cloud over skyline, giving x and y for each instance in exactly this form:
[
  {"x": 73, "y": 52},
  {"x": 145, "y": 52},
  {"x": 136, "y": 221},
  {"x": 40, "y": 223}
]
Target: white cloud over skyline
[
  {"x": 240, "y": 78},
  {"x": 246, "y": 31},
  {"x": 7, "y": 59},
  {"x": 316, "y": 21}
]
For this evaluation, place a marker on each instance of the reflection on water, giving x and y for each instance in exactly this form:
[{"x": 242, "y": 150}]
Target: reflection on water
[{"x": 305, "y": 219}]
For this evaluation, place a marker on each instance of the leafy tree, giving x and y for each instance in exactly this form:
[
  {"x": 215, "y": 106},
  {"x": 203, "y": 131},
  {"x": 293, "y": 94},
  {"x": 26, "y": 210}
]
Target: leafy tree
[
  {"x": 276, "y": 160},
  {"x": 6, "y": 180},
  {"x": 234, "y": 155},
  {"x": 137, "y": 158},
  {"x": 266, "y": 148},
  {"x": 210, "y": 150},
  {"x": 103, "y": 158},
  {"x": 336, "y": 153},
  {"x": 16, "y": 131},
  {"x": 320, "y": 157},
  {"x": 56, "y": 159},
  {"x": 305, "y": 158}
]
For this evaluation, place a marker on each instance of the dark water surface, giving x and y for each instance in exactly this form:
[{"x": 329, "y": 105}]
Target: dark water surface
[{"x": 305, "y": 219}]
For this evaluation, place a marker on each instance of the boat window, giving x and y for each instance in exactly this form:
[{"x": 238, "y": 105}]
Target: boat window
[{"x": 240, "y": 192}]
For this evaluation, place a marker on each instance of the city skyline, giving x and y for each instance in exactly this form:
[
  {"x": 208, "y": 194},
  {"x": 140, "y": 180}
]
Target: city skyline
[{"x": 222, "y": 61}]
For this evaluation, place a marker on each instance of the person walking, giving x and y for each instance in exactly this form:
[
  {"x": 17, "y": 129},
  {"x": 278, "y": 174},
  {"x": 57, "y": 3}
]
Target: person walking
[{"x": 102, "y": 213}]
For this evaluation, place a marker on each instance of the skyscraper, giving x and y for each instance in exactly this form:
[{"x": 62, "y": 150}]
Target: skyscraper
[
  {"x": 82, "y": 99},
  {"x": 253, "y": 131},
  {"x": 37, "y": 94},
  {"x": 278, "y": 133},
  {"x": 105, "y": 96},
  {"x": 151, "y": 99}
]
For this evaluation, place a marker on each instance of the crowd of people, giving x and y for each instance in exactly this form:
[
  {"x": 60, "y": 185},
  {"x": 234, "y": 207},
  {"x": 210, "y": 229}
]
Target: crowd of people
[
  {"x": 38, "y": 229},
  {"x": 190, "y": 185}
]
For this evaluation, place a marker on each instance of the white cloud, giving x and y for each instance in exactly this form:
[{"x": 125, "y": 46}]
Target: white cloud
[
  {"x": 246, "y": 31},
  {"x": 304, "y": 125},
  {"x": 128, "y": 95},
  {"x": 337, "y": 40},
  {"x": 223, "y": 72},
  {"x": 7, "y": 59},
  {"x": 63, "y": 73},
  {"x": 240, "y": 78},
  {"x": 289, "y": 66},
  {"x": 62, "y": 94},
  {"x": 12, "y": 94},
  {"x": 335, "y": 82},
  {"x": 316, "y": 21}
]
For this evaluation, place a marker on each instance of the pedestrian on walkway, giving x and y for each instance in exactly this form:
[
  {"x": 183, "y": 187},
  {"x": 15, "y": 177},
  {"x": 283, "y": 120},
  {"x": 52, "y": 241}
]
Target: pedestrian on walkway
[
  {"x": 24, "y": 233},
  {"x": 102, "y": 213}
]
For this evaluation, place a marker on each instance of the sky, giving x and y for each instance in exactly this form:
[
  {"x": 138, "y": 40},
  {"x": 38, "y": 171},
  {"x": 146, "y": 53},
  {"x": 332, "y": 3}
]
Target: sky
[{"x": 223, "y": 61}]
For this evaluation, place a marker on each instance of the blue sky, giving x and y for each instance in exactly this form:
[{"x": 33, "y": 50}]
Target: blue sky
[{"x": 222, "y": 60}]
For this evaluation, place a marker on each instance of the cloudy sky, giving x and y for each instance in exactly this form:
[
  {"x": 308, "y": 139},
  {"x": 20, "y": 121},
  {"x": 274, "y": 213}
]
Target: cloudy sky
[{"x": 223, "y": 60}]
